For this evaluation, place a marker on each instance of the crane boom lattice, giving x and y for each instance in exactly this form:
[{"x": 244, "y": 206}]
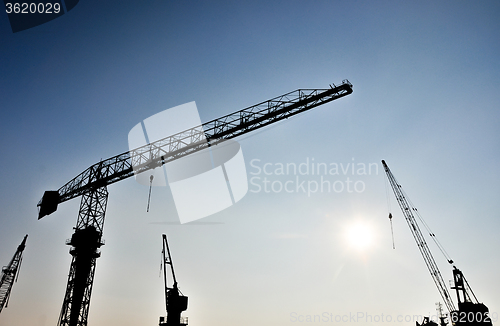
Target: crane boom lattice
[
  {"x": 85, "y": 243},
  {"x": 9, "y": 274},
  {"x": 165, "y": 150},
  {"x": 408, "y": 212},
  {"x": 92, "y": 183}
]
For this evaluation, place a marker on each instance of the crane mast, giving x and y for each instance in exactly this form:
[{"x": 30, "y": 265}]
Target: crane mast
[
  {"x": 9, "y": 274},
  {"x": 408, "y": 210},
  {"x": 85, "y": 242},
  {"x": 92, "y": 183}
]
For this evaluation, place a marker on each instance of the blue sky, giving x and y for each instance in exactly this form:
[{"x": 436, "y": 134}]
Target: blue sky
[{"x": 425, "y": 77}]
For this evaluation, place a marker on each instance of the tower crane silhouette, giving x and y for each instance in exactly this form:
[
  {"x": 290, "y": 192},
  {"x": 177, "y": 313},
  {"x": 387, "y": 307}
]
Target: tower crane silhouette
[{"x": 92, "y": 183}]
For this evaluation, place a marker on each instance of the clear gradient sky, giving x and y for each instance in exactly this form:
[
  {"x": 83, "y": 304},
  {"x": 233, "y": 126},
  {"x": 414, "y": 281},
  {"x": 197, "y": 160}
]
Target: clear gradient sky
[{"x": 426, "y": 78}]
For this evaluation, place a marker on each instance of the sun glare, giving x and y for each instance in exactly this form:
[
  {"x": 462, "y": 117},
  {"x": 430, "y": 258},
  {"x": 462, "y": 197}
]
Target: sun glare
[{"x": 359, "y": 236}]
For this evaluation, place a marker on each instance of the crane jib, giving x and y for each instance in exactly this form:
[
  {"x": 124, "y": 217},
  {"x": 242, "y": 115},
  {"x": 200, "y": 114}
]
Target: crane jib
[
  {"x": 91, "y": 186},
  {"x": 165, "y": 150}
]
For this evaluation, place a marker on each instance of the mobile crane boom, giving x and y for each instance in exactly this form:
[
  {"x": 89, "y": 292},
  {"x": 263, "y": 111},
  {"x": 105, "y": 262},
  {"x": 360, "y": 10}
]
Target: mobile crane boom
[
  {"x": 470, "y": 311},
  {"x": 9, "y": 274},
  {"x": 408, "y": 210},
  {"x": 92, "y": 183},
  {"x": 175, "y": 301}
]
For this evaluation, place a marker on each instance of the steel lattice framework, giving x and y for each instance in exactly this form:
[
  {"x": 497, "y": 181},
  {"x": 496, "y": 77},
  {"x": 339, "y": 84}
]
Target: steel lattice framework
[
  {"x": 85, "y": 243},
  {"x": 91, "y": 184},
  {"x": 147, "y": 157},
  {"x": 407, "y": 210},
  {"x": 9, "y": 274}
]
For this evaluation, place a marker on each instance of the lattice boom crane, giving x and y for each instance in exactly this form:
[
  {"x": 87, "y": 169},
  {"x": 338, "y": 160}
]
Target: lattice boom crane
[
  {"x": 175, "y": 301},
  {"x": 92, "y": 183},
  {"x": 408, "y": 210},
  {"x": 470, "y": 311},
  {"x": 9, "y": 274}
]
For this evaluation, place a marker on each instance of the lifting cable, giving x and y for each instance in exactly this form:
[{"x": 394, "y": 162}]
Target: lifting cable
[
  {"x": 417, "y": 213},
  {"x": 389, "y": 209},
  {"x": 19, "y": 268},
  {"x": 161, "y": 264},
  {"x": 392, "y": 232},
  {"x": 150, "y": 185},
  {"x": 431, "y": 234}
]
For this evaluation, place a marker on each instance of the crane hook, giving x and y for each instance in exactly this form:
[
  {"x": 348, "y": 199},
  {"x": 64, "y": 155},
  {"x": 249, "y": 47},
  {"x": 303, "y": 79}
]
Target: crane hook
[{"x": 392, "y": 231}]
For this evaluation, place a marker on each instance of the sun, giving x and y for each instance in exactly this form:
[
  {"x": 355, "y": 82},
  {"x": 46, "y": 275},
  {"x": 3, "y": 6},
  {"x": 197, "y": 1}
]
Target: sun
[{"x": 359, "y": 236}]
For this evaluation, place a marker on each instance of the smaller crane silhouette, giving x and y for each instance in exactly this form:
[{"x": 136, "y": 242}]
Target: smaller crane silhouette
[
  {"x": 10, "y": 273},
  {"x": 175, "y": 301},
  {"x": 470, "y": 311}
]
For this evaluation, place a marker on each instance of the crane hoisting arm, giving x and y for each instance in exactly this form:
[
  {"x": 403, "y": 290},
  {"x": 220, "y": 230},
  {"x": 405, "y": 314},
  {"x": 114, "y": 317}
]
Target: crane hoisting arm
[
  {"x": 408, "y": 210},
  {"x": 9, "y": 274},
  {"x": 92, "y": 184},
  {"x": 175, "y": 301},
  {"x": 165, "y": 150}
]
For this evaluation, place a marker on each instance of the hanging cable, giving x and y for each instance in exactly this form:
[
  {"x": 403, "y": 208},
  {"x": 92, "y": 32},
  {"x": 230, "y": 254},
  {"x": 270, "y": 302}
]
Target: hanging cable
[
  {"x": 387, "y": 194},
  {"x": 19, "y": 268},
  {"x": 392, "y": 232},
  {"x": 389, "y": 209},
  {"x": 431, "y": 234},
  {"x": 161, "y": 264},
  {"x": 150, "y": 185}
]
